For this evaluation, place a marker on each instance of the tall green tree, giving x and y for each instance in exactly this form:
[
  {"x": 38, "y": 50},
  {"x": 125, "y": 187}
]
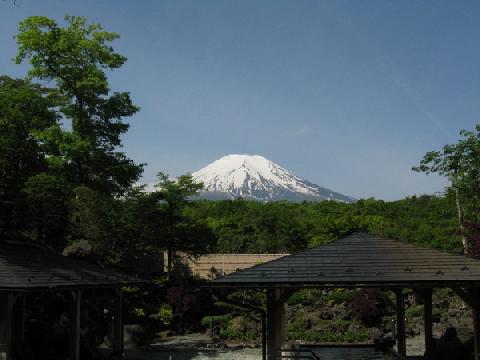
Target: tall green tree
[
  {"x": 25, "y": 116},
  {"x": 118, "y": 230},
  {"x": 75, "y": 58},
  {"x": 47, "y": 201},
  {"x": 460, "y": 164},
  {"x": 181, "y": 232}
]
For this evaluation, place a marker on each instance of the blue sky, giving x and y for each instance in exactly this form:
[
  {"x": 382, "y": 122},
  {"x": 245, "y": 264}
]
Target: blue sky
[{"x": 347, "y": 94}]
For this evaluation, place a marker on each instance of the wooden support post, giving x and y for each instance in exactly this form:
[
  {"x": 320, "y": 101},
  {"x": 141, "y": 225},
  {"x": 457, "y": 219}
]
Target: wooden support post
[
  {"x": 75, "y": 312},
  {"x": 6, "y": 315},
  {"x": 401, "y": 343},
  {"x": 117, "y": 334},
  {"x": 427, "y": 320},
  {"x": 18, "y": 325},
  {"x": 271, "y": 325},
  {"x": 264, "y": 336},
  {"x": 23, "y": 319},
  {"x": 275, "y": 322},
  {"x": 476, "y": 321}
]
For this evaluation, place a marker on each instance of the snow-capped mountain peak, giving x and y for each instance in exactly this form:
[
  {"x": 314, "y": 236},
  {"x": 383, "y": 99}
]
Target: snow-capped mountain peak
[{"x": 255, "y": 177}]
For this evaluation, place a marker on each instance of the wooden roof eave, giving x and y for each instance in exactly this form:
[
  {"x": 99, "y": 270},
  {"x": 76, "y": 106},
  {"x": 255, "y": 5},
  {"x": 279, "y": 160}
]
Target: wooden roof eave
[{"x": 109, "y": 285}]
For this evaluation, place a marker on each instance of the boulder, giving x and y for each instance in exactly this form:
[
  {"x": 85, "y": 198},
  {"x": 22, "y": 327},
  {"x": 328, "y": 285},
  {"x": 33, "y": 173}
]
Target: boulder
[{"x": 134, "y": 335}]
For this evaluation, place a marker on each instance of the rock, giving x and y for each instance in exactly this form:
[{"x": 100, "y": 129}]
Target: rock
[
  {"x": 439, "y": 329},
  {"x": 413, "y": 329},
  {"x": 341, "y": 312},
  {"x": 452, "y": 312},
  {"x": 442, "y": 304},
  {"x": 134, "y": 335},
  {"x": 389, "y": 324},
  {"x": 293, "y": 310},
  {"x": 387, "y": 335},
  {"x": 354, "y": 328},
  {"x": 376, "y": 333},
  {"x": 308, "y": 323},
  {"x": 410, "y": 300},
  {"x": 242, "y": 323},
  {"x": 325, "y": 313}
]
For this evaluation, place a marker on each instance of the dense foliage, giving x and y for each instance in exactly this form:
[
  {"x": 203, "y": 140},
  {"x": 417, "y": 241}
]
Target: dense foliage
[
  {"x": 253, "y": 227},
  {"x": 460, "y": 164},
  {"x": 75, "y": 59}
]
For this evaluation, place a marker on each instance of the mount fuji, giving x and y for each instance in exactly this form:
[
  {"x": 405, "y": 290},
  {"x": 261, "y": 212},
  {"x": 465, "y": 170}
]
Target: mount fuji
[{"x": 257, "y": 178}]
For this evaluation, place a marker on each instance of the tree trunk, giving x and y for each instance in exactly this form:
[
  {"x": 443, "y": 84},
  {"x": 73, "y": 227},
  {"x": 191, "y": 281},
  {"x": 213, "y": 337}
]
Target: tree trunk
[
  {"x": 40, "y": 230},
  {"x": 465, "y": 242},
  {"x": 169, "y": 263}
]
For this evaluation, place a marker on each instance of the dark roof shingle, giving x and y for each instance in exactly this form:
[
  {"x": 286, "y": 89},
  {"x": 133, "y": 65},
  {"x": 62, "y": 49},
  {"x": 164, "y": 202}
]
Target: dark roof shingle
[
  {"x": 361, "y": 260},
  {"x": 30, "y": 268}
]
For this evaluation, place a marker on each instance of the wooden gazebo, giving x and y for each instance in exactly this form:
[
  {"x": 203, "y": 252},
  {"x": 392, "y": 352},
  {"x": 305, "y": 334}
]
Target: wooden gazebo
[
  {"x": 28, "y": 269},
  {"x": 362, "y": 261}
]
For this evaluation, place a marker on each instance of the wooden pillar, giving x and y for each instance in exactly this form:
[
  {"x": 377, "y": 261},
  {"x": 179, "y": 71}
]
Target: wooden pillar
[
  {"x": 74, "y": 336},
  {"x": 19, "y": 319},
  {"x": 275, "y": 322},
  {"x": 427, "y": 320},
  {"x": 264, "y": 336},
  {"x": 117, "y": 334},
  {"x": 476, "y": 321},
  {"x": 271, "y": 324},
  {"x": 23, "y": 315},
  {"x": 6, "y": 315},
  {"x": 401, "y": 343}
]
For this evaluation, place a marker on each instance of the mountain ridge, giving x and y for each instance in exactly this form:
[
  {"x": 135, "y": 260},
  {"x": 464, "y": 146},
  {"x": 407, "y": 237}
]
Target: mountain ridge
[{"x": 257, "y": 178}]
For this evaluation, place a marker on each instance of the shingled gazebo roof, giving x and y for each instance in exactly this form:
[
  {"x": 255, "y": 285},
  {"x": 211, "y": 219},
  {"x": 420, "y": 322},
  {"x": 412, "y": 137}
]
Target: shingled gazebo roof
[
  {"x": 27, "y": 268},
  {"x": 361, "y": 260}
]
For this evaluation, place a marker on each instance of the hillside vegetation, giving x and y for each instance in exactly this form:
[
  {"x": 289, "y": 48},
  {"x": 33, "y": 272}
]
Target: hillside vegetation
[{"x": 249, "y": 227}]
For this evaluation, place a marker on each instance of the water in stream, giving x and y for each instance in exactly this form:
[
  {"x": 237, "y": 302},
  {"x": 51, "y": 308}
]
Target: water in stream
[
  {"x": 351, "y": 354},
  {"x": 255, "y": 354}
]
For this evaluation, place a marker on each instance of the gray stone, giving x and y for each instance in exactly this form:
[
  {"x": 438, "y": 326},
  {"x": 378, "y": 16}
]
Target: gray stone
[{"x": 133, "y": 335}]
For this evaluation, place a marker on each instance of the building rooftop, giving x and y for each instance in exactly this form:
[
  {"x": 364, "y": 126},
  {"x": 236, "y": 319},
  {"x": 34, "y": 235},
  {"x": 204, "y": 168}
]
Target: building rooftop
[
  {"x": 24, "y": 268},
  {"x": 361, "y": 260}
]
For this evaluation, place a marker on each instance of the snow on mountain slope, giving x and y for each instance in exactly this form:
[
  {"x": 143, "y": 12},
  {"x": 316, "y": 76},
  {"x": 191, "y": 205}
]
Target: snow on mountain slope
[{"x": 254, "y": 177}]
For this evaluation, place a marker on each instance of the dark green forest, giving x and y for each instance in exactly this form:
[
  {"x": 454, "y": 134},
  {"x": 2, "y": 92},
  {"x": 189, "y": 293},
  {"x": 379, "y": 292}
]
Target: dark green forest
[{"x": 247, "y": 226}]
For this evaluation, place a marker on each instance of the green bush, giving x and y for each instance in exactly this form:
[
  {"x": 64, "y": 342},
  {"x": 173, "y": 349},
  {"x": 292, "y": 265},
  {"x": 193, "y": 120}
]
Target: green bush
[
  {"x": 330, "y": 336},
  {"x": 139, "y": 313},
  {"x": 414, "y": 311},
  {"x": 233, "y": 334},
  {"x": 339, "y": 296},
  {"x": 328, "y": 331},
  {"x": 305, "y": 297},
  {"x": 164, "y": 314}
]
